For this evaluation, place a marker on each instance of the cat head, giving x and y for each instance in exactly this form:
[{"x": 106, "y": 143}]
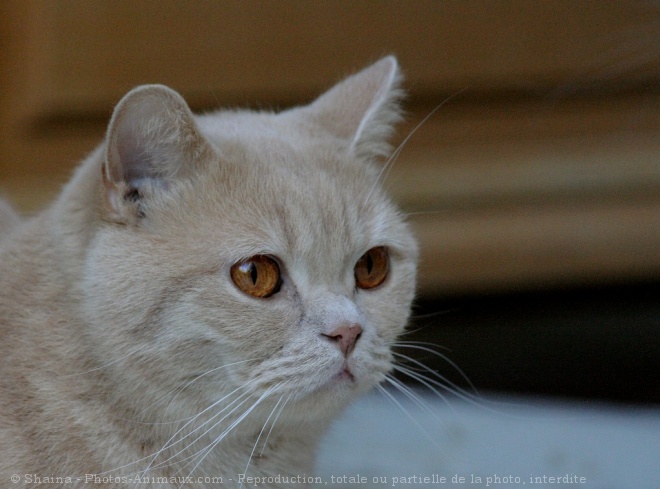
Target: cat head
[{"x": 249, "y": 250}]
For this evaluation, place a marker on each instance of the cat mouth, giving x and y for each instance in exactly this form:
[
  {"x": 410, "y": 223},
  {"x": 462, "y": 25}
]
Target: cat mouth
[{"x": 344, "y": 375}]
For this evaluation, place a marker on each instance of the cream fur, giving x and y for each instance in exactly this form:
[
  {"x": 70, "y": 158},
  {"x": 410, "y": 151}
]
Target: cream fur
[
  {"x": 121, "y": 331},
  {"x": 8, "y": 219}
]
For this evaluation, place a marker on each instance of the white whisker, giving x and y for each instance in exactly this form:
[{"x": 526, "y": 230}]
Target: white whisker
[
  {"x": 426, "y": 213},
  {"x": 433, "y": 384},
  {"x": 474, "y": 400},
  {"x": 385, "y": 170},
  {"x": 421, "y": 346},
  {"x": 273, "y": 425},
  {"x": 199, "y": 377},
  {"x": 429, "y": 383},
  {"x": 168, "y": 444},
  {"x": 261, "y": 432},
  {"x": 154, "y": 456},
  {"x": 235, "y": 423},
  {"x": 442, "y": 381},
  {"x": 106, "y": 365},
  {"x": 400, "y": 406},
  {"x": 167, "y": 395},
  {"x": 410, "y": 394}
]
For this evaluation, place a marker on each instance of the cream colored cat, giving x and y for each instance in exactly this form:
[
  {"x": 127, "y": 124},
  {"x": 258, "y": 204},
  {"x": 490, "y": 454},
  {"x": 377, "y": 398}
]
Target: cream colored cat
[{"x": 206, "y": 295}]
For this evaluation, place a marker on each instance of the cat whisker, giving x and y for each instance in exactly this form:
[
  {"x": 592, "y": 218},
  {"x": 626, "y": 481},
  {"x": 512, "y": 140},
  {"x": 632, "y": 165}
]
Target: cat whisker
[
  {"x": 400, "y": 406},
  {"x": 195, "y": 379},
  {"x": 170, "y": 443},
  {"x": 106, "y": 365},
  {"x": 433, "y": 385},
  {"x": 152, "y": 457},
  {"x": 430, "y": 315},
  {"x": 428, "y": 381},
  {"x": 426, "y": 213},
  {"x": 172, "y": 399},
  {"x": 235, "y": 423},
  {"x": 385, "y": 170},
  {"x": 425, "y": 347},
  {"x": 256, "y": 443},
  {"x": 263, "y": 447},
  {"x": 473, "y": 399},
  {"x": 409, "y": 393},
  {"x": 156, "y": 402},
  {"x": 204, "y": 451}
]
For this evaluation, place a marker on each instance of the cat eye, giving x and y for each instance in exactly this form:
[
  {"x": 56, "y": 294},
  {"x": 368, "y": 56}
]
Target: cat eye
[
  {"x": 372, "y": 267},
  {"x": 258, "y": 276}
]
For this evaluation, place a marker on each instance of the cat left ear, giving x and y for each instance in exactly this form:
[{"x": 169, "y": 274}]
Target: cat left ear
[
  {"x": 364, "y": 108},
  {"x": 152, "y": 139}
]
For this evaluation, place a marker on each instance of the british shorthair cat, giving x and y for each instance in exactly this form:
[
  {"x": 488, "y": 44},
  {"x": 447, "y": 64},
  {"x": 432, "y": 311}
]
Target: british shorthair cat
[{"x": 206, "y": 295}]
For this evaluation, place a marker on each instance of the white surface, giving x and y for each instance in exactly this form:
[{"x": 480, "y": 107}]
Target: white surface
[{"x": 611, "y": 447}]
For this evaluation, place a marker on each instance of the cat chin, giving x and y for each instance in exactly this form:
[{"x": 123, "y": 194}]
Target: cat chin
[
  {"x": 323, "y": 404},
  {"x": 345, "y": 381},
  {"x": 338, "y": 391},
  {"x": 345, "y": 375}
]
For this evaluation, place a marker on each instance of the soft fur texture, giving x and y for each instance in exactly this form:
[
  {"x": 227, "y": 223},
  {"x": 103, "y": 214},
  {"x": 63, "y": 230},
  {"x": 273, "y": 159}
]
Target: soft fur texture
[
  {"x": 8, "y": 219},
  {"x": 125, "y": 347}
]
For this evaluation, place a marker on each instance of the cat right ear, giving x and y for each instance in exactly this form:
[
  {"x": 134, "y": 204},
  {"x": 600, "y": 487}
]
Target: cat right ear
[
  {"x": 363, "y": 108},
  {"x": 152, "y": 139}
]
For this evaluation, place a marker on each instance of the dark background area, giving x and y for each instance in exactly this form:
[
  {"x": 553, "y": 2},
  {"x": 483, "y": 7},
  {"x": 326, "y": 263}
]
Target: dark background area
[{"x": 591, "y": 343}]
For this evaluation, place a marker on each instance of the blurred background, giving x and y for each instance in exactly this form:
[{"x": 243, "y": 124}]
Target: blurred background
[{"x": 534, "y": 190}]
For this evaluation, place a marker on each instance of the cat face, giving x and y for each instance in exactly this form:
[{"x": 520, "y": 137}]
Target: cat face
[{"x": 251, "y": 251}]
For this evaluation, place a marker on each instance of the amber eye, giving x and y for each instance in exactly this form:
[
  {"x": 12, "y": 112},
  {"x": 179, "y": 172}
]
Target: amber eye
[
  {"x": 258, "y": 276},
  {"x": 371, "y": 269}
]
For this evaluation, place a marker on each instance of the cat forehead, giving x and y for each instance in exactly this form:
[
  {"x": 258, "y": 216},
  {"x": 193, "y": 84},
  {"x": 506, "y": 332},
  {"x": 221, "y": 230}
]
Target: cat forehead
[
  {"x": 273, "y": 186},
  {"x": 281, "y": 134},
  {"x": 282, "y": 152}
]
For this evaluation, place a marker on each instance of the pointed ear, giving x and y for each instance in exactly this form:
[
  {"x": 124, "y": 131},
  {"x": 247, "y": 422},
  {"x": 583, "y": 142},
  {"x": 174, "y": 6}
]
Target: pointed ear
[
  {"x": 152, "y": 139},
  {"x": 364, "y": 108}
]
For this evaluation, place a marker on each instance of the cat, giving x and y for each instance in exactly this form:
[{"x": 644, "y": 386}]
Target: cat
[
  {"x": 207, "y": 293},
  {"x": 8, "y": 219}
]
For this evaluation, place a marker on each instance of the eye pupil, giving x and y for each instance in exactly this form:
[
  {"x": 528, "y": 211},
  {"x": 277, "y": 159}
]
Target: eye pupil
[
  {"x": 258, "y": 276},
  {"x": 372, "y": 268}
]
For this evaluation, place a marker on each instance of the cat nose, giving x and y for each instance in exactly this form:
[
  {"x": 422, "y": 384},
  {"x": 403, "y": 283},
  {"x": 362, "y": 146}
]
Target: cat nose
[{"x": 345, "y": 336}]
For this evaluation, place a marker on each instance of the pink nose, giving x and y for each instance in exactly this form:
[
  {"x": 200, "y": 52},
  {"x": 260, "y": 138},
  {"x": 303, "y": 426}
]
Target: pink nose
[{"x": 345, "y": 336}]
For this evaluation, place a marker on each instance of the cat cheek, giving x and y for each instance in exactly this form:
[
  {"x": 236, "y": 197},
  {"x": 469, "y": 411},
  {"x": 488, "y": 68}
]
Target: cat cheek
[{"x": 389, "y": 309}]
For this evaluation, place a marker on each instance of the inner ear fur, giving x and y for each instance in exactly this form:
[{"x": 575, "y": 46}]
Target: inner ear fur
[
  {"x": 363, "y": 108},
  {"x": 152, "y": 140}
]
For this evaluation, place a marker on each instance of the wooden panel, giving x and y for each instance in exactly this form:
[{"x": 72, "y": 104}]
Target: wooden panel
[
  {"x": 95, "y": 50},
  {"x": 503, "y": 155},
  {"x": 497, "y": 250}
]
